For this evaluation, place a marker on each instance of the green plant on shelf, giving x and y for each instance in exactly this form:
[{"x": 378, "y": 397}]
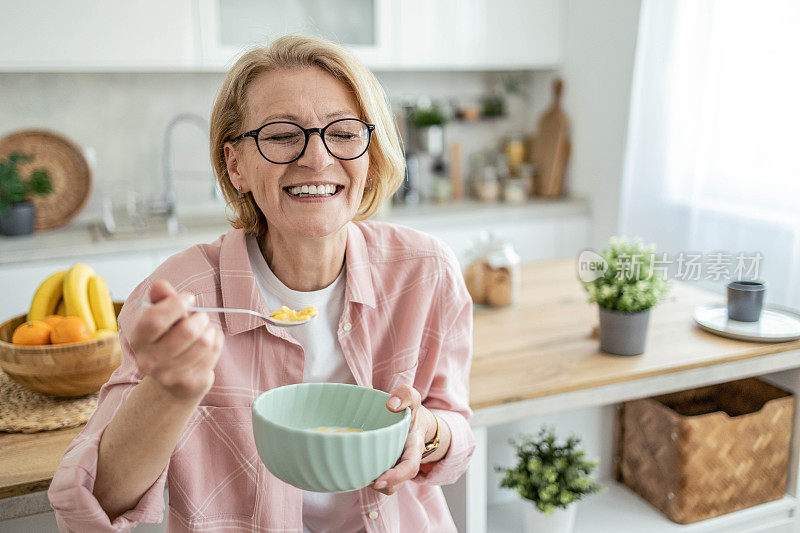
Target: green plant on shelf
[
  {"x": 630, "y": 283},
  {"x": 548, "y": 474},
  {"x": 13, "y": 189},
  {"x": 432, "y": 115}
]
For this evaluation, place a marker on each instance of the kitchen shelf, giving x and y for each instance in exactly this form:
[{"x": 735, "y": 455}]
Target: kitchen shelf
[{"x": 621, "y": 510}]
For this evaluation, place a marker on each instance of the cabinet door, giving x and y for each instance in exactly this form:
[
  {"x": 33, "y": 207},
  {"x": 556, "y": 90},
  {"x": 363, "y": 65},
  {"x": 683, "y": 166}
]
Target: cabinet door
[
  {"x": 228, "y": 27},
  {"x": 476, "y": 34},
  {"x": 91, "y": 35}
]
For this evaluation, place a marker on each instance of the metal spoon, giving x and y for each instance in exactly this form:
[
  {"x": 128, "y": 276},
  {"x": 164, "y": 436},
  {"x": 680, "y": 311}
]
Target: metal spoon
[{"x": 281, "y": 323}]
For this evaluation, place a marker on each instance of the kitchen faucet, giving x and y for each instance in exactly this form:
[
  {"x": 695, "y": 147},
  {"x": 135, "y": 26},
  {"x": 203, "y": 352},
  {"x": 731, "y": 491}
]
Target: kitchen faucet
[{"x": 167, "y": 204}]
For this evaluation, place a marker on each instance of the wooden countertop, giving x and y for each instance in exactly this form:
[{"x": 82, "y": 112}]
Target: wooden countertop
[
  {"x": 28, "y": 460},
  {"x": 541, "y": 346},
  {"x": 544, "y": 345}
]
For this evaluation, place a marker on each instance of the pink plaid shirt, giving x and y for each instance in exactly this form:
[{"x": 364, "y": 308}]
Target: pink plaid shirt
[{"x": 407, "y": 319}]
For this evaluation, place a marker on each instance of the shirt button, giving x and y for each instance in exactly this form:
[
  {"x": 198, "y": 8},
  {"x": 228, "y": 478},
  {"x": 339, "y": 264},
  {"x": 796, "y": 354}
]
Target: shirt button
[
  {"x": 347, "y": 326},
  {"x": 373, "y": 514}
]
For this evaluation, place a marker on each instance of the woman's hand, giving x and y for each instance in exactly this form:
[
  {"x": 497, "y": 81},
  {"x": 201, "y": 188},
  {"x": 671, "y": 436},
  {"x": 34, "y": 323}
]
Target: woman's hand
[
  {"x": 178, "y": 351},
  {"x": 422, "y": 430}
]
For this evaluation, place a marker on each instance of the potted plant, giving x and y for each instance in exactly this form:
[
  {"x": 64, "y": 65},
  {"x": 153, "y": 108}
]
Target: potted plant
[
  {"x": 16, "y": 210},
  {"x": 552, "y": 478},
  {"x": 429, "y": 121},
  {"x": 628, "y": 288},
  {"x": 494, "y": 105}
]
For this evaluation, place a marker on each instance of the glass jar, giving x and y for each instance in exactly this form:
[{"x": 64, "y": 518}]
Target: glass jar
[
  {"x": 489, "y": 186},
  {"x": 526, "y": 175},
  {"x": 514, "y": 191},
  {"x": 442, "y": 189},
  {"x": 515, "y": 151},
  {"x": 493, "y": 274}
]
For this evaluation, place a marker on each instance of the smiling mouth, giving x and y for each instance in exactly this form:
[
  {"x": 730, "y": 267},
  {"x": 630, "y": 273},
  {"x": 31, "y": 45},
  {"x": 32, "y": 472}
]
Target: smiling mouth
[{"x": 322, "y": 191}]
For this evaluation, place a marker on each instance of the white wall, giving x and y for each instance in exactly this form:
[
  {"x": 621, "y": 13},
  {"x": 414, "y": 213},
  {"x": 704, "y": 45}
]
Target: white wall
[{"x": 599, "y": 45}]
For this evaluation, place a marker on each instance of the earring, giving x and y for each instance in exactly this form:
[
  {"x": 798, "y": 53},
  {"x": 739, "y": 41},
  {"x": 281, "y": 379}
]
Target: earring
[{"x": 241, "y": 195}]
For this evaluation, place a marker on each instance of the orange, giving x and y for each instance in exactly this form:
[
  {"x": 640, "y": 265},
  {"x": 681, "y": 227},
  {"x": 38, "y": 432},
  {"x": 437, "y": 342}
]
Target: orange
[
  {"x": 32, "y": 333},
  {"x": 71, "y": 329},
  {"x": 53, "y": 320}
]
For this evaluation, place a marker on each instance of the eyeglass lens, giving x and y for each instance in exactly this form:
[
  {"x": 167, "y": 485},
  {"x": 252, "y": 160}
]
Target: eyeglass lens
[{"x": 282, "y": 142}]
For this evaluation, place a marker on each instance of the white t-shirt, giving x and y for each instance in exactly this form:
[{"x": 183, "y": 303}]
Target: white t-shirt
[{"x": 324, "y": 362}]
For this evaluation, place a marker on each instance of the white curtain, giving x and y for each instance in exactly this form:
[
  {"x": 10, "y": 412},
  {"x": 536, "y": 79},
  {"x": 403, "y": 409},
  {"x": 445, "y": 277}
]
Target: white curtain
[{"x": 713, "y": 152}]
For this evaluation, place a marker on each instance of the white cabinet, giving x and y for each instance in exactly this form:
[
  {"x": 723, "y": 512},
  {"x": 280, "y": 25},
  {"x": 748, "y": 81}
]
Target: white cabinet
[
  {"x": 476, "y": 34},
  {"x": 394, "y": 34},
  {"x": 123, "y": 272},
  {"x": 227, "y": 27},
  {"x": 150, "y": 35},
  {"x": 48, "y": 35}
]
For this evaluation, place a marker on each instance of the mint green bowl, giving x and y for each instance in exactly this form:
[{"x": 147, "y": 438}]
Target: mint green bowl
[{"x": 284, "y": 420}]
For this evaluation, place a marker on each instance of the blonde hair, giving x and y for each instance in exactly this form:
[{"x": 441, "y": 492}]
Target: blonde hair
[{"x": 386, "y": 160}]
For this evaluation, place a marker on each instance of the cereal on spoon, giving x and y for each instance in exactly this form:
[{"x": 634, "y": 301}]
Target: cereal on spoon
[{"x": 290, "y": 315}]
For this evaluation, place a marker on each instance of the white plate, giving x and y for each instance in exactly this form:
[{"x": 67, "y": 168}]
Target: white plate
[{"x": 777, "y": 324}]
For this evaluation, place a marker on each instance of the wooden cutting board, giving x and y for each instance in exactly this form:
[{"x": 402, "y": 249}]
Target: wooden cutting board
[{"x": 550, "y": 148}]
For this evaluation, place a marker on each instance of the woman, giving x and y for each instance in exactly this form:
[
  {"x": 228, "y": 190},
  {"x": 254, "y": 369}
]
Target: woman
[{"x": 305, "y": 149}]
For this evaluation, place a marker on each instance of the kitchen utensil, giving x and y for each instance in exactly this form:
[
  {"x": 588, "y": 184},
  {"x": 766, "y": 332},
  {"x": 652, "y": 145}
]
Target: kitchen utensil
[
  {"x": 67, "y": 167},
  {"x": 284, "y": 423},
  {"x": 777, "y": 323},
  {"x": 745, "y": 300},
  {"x": 63, "y": 370},
  {"x": 550, "y": 148},
  {"x": 456, "y": 173},
  {"x": 281, "y": 323}
]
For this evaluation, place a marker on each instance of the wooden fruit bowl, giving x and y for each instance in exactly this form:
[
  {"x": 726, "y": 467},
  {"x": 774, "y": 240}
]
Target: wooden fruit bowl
[{"x": 63, "y": 370}]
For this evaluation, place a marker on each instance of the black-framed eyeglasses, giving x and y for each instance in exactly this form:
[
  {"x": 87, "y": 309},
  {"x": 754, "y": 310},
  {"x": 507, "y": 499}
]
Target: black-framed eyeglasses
[{"x": 283, "y": 142}]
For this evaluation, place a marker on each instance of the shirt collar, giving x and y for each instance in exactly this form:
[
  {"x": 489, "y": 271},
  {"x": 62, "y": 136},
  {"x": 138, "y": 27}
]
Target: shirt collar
[
  {"x": 359, "y": 268},
  {"x": 239, "y": 287}
]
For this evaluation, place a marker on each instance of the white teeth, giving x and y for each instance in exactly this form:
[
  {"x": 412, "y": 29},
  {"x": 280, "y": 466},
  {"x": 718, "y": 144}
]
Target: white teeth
[{"x": 313, "y": 190}]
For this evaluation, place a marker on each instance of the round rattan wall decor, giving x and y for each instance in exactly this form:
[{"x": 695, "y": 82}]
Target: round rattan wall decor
[{"x": 68, "y": 170}]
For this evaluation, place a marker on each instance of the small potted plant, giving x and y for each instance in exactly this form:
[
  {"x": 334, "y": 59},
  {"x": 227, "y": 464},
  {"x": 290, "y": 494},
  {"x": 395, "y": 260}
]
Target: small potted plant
[
  {"x": 628, "y": 288},
  {"x": 552, "y": 478},
  {"x": 16, "y": 210},
  {"x": 429, "y": 121}
]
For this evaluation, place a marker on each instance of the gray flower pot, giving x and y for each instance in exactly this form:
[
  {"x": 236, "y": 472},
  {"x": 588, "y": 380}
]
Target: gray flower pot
[
  {"x": 623, "y": 333},
  {"x": 19, "y": 220}
]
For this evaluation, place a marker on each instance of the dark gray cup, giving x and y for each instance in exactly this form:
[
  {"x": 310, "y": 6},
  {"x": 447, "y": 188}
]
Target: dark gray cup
[{"x": 745, "y": 300}]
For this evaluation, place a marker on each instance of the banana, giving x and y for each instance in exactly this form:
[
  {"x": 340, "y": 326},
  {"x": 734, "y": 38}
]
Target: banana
[
  {"x": 101, "y": 305},
  {"x": 46, "y": 297},
  {"x": 60, "y": 308},
  {"x": 76, "y": 293}
]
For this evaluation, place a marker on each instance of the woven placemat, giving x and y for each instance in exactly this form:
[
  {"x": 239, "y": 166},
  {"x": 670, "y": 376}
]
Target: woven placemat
[{"x": 25, "y": 411}]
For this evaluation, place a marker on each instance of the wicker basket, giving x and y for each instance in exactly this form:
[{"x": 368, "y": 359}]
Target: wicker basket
[
  {"x": 63, "y": 370},
  {"x": 709, "y": 451}
]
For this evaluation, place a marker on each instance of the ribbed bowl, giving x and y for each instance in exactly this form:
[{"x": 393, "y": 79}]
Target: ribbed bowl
[{"x": 284, "y": 423}]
